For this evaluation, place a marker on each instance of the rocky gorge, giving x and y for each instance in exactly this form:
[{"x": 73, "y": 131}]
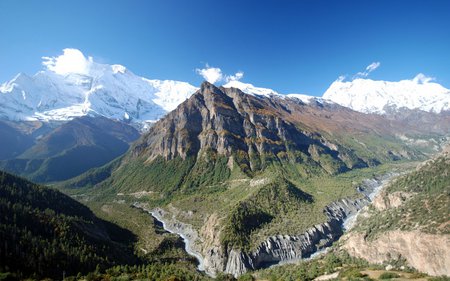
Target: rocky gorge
[{"x": 214, "y": 258}]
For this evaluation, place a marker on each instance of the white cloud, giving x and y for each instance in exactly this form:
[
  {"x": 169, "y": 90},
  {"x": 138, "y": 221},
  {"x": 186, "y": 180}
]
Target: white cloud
[
  {"x": 422, "y": 79},
  {"x": 71, "y": 61},
  {"x": 236, "y": 77},
  {"x": 210, "y": 74},
  {"x": 341, "y": 78},
  {"x": 215, "y": 75},
  {"x": 371, "y": 67}
]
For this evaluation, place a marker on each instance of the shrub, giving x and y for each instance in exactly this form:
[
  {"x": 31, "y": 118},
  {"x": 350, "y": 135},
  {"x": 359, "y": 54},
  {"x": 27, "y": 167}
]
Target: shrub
[{"x": 389, "y": 275}]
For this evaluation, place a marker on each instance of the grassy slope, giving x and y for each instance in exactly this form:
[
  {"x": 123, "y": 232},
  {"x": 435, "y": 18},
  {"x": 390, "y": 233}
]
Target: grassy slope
[{"x": 281, "y": 193}]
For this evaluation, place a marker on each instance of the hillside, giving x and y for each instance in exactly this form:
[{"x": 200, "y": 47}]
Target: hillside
[
  {"x": 13, "y": 142},
  {"x": 72, "y": 148},
  {"x": 45, "y": 233},
  {"x": 409, "y": 220}
]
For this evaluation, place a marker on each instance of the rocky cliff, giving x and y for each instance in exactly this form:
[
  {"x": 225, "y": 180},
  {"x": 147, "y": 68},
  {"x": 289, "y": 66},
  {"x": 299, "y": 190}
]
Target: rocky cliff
[
  {"x": 426, "y": 252},
  {"x": 285, "y": 248},
  {"x": 409, "y": 221}
]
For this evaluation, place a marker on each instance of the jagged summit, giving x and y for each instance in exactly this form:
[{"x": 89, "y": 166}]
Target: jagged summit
[{"x": 230, "y": 122}]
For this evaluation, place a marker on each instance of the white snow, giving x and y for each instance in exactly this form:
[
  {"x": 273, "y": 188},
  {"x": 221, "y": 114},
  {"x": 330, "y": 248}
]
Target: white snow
[
  {"x": 73, "y": 85},
  {"x": 369, "y": 96},
  {"x": 250, "y": 89},
  {"x": 258, "y": 91},
  {"x": 305, "y": 98}
]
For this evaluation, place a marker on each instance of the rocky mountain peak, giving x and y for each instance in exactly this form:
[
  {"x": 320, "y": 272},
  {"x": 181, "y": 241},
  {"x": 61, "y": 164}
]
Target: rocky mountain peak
[{"x": 249, "y": 129}]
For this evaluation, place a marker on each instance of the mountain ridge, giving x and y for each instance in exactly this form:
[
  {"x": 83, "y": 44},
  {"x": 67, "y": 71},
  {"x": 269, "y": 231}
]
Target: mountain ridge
[
  {"x": 72, "y": 148},
  {"x": 380, "y": 97},
  {"x": 113, "y": 91},
  {"x": 107, "y": 90}
]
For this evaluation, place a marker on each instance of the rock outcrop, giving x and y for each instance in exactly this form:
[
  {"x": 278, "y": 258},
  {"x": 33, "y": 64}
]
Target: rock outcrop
[
  {"x": 282, "y": 248},
  {"x": 409, "y": 221},
  {"x": 392, "y": 200},
  {"x": 427, "y": 253},
  {"x": 286, "y": 248}
]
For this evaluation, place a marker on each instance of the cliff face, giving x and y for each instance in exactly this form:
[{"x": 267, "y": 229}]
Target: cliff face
[
  {"x": 410, "y": 221},
  {"x": 426, "y": 252},
  {"x": 282, "y": 248}
]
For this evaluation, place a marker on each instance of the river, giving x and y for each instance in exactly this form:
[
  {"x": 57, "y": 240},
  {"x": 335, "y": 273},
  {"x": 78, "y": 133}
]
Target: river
[{"x": 370, "y": 188}]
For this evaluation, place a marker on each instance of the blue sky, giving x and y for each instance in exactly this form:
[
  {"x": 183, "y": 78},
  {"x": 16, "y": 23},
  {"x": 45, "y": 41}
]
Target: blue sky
[{"x": 289, "y": 46}]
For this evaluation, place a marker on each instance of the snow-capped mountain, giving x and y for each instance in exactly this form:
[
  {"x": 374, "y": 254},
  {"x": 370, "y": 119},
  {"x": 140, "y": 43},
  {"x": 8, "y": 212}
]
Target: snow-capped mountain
[
  {"x": 369, "y": 96},
  {"x": 250, "y": 89},
  {"x": 266, "y": 92},
  {"x": 73, "y": 85}
]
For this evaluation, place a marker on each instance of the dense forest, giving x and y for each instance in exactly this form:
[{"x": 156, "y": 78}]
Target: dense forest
[{"x": 45, "y": 233}]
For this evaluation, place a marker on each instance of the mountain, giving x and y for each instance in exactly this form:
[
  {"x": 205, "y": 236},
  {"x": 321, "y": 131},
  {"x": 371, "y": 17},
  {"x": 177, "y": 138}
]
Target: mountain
[
  {"x": 266, "y": 92},
  {"x": 369, "y": 96},
  {"x": 13, "y": 141},
  {"x": 45, "y": 233},
  {"x": 112, "y": 91},
  {"x": 72, "y": 148},
  {"x": 240, "y": 174},
  {"x": 409, "y": 221}
]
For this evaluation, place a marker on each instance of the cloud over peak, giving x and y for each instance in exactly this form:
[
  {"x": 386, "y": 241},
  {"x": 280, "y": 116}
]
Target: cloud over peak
[
  {"x": 422, "y": 79},
  {"x": 215, "y": 74},
  {"x": 71, "y": 61},
  {"x": 371, "y": 67}
]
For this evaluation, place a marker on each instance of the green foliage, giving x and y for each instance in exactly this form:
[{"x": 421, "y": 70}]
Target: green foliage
[
  {"x": 274, "y": 199},
  {"x": 244, "y": 219},
  {"x": 65, "y": 165},
  {"x": 182, "y": 271},
  {"x": 44, "y": 232},
  {"x": 389, "y": 275},
  {"x": 440, "y": 278},
  {"x": 93, "y": 176},
  {"x": 308, "y": 270},
  {"x": 159, "y": 175},
  {"x": 427, "y": 209},
  {"x": 224, "y": 277},
  {"x": 246, "y": 277},
  {"x": 351, "y": 273},
  {"x": 432, "y": 178},
  {"x": 208, "y": 172}
]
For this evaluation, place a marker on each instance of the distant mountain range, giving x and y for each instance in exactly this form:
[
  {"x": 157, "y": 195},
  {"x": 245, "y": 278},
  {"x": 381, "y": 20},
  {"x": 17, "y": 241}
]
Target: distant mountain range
[
  {"x": 65, "y": 151},
  {"x": 115, "y": 92},
  {"x": 369, "y": 96},
  {"x": 111, "y": 91}
]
